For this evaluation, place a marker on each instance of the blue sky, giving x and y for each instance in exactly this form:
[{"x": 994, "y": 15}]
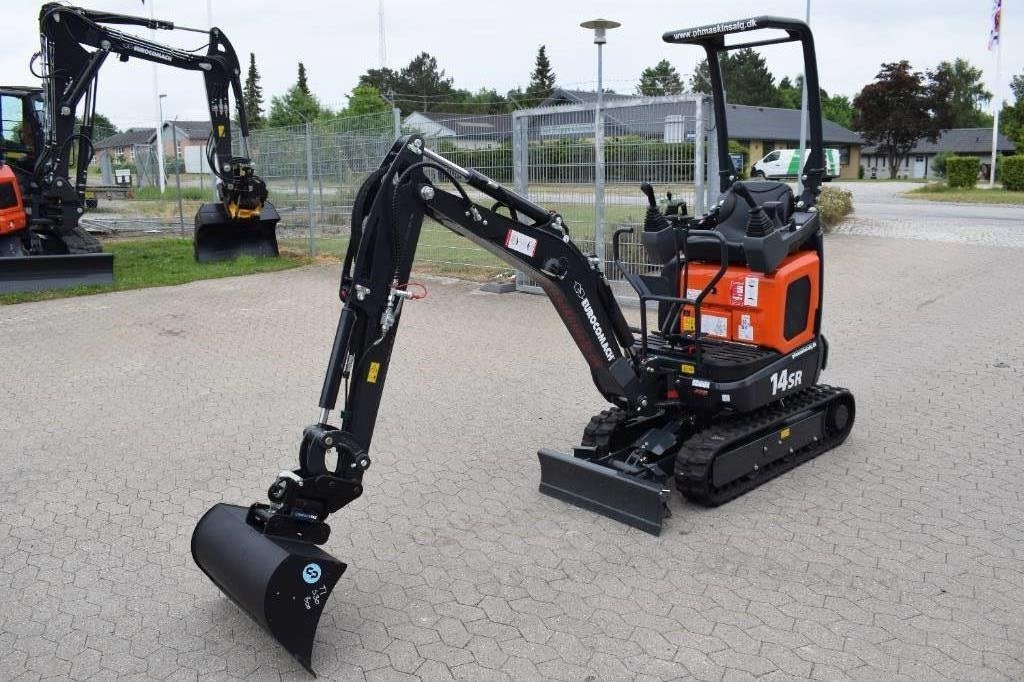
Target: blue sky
[{"x": 484, "y": 43}]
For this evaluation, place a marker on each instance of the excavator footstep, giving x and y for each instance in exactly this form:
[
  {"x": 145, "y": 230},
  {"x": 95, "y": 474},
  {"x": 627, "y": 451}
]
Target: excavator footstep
[
  {"x": 283, "y": 585},
  {"x": 39, "y": 273},
  {"x": 217, "y": 237},
  {"x": 636, "y": 502}
]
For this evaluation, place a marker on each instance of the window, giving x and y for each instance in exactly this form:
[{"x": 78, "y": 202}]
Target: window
[
  {"x": 774, "y": 156},
  {"x": 12, "y": 125},
  {"x": 844, "y": 155}
]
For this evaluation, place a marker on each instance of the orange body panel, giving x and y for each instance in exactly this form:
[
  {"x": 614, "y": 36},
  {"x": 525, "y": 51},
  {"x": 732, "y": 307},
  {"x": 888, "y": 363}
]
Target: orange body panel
[
  {"x": 12, "y": 212},
  {"x": 750, "y": 307}
]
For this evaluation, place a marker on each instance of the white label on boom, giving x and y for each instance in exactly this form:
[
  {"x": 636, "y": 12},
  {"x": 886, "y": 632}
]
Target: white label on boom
[{"x": 517, "y": 241}]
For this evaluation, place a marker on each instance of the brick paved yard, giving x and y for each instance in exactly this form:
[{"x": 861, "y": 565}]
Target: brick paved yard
[{"x": 899, "y": 555}]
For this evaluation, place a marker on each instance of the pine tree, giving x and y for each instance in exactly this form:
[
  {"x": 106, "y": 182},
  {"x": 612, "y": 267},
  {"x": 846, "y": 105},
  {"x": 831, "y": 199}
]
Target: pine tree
[
  {"x": 661, "y": 79},
  {"x": 542, "y": 80},
  {"x": 302, "y": 83},
  {"x": 252, "y": 95}
]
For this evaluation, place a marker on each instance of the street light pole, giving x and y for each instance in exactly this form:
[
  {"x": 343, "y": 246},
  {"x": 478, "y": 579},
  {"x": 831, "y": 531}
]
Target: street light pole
[
  {"x": 159, "y": 106},
  {"x": 599, "y": 27},
  {"x": 803, "y": 122}
]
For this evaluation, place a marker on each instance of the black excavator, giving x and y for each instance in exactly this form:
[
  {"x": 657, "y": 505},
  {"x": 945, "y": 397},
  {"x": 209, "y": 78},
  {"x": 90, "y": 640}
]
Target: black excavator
[
  {"x": 46, "y": 144},
  {"x": 719, "y": 392}
]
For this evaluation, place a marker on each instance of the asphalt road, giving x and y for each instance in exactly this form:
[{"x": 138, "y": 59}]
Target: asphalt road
[
  {"x": 880, "y": 210},
  {"x": 123, "y": 417}
]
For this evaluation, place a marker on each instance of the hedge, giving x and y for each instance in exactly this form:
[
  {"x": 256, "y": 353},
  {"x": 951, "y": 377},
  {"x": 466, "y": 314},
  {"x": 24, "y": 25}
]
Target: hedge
[
  {"x": 962, "y": 171},
  {"x": 1012, "y": 171},
  {"x": 834, "y": 204}
]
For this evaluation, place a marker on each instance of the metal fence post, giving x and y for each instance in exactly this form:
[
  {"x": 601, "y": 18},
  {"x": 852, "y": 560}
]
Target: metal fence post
[
  {"x": 521, "y": 168},
  {"x": 309, "y": 187},
  {"x": 714, "y": 184},
  {"x": 177, "y": 178},
  {"x": 698, "y": 158},
  {"x": 599, "y": 183},
  {"x": 396, "y": 114}
]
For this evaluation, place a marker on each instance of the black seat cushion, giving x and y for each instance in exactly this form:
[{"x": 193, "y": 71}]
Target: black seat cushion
[{"x": 732, "y": 220}]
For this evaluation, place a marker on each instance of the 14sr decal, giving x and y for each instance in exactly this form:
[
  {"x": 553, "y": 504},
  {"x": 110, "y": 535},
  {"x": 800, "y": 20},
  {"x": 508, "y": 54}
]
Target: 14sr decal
[{"x": 786, "y": 381}]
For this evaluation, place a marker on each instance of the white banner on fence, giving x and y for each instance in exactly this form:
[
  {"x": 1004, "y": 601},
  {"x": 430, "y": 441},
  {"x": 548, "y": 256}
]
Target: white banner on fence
[{"x": 195, "y": 159}]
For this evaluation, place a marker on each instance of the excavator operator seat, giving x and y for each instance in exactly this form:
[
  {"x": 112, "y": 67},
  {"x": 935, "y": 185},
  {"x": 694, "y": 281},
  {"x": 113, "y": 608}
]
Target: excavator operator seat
[{"x": 732, "y": 220}]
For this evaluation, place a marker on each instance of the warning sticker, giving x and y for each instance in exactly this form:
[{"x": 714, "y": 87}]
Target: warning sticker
[
  {"x": 715, "y": 325},
  {"x": 750, "y": 292},
  {"x": 517, "y": 241},
  {"x": 745, "y": 332},
  {"x": 692, "y": 294},
  {"x": 736, "y": 292},
  {"x": 371, "y": 374},
  {"x": 688, "y": 324}
]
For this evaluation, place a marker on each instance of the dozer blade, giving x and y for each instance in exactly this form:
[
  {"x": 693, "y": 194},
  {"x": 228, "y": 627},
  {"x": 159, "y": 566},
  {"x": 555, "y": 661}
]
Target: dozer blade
[
  {"x": 283, "y": 585},
  {"x": 218, "y": 237},
  {"x": 607, "y": 491},
  {"x": 39, "y": 273}
]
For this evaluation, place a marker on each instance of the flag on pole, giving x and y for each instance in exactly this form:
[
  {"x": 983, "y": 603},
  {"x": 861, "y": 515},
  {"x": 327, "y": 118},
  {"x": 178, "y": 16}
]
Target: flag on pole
[{"x": 997, "y": 15}]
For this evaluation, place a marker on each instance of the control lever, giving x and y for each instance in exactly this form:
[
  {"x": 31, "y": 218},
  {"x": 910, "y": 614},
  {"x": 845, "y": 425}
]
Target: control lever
[
  {"x": 654, "y": 221},
  {"x": 758, "y": 222}
]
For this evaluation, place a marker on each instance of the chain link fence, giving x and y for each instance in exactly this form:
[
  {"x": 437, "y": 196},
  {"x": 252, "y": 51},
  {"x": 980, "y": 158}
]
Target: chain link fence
[{"x": 314, "y": 170}]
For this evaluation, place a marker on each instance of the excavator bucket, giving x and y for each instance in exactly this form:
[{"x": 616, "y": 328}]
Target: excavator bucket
[
  {"x": 634, "y": 501},
  {"x": 218, "y": 237},
  {"x": 283, "y": 585}
]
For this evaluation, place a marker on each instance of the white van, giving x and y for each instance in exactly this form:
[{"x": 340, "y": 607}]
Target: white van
[{"x": 782, "y": 163}]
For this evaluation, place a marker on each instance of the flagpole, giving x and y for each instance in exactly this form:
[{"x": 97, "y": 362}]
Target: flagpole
[{"x": 997, "y": 99}]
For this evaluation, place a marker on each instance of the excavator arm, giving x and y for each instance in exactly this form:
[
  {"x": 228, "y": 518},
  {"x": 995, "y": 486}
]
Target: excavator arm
[
  {"x": 387, "y": 215},
  {"x": 71, "y": 73}
]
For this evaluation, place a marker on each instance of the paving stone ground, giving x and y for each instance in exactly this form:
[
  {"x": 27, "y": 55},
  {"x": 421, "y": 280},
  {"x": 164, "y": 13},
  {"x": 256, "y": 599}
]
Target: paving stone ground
[{"x": 899, "y": 555}]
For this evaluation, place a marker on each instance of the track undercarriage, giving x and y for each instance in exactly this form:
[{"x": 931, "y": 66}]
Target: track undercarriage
[{"x": 714, "y": 460}]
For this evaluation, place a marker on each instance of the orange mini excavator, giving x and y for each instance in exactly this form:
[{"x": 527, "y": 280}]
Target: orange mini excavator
[{"x": 720, "y": 394}]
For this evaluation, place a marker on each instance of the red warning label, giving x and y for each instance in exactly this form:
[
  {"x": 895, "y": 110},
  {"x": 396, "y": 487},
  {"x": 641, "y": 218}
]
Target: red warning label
[{"x": 736, "y": 292}]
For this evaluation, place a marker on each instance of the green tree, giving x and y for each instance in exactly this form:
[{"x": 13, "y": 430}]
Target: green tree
[
  {"x": 252, "y": 94},
  {"x": 297, "y": 105},
  {"x": 424, "y": 86},
  {"x": 837, "y": 109},
  {"x": 542, "y": 80},
  {"x": 791, "y": 93},
  {"x": 482, "y": 101},
  {"x": 103, "y": 127},
  {"x": 660, "y": 79},
  {"x": 960, "y": 95},
  {"x": 747, "y": 79},
  {"x": 384, "y": 80},
  {"x": 365, "y": 99},
  {"x": 895, "y": 112},
  {"x": 1011, "y": 118}
]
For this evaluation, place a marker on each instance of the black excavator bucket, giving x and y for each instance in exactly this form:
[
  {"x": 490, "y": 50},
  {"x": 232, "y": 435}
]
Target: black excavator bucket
[
  {"x": 39, "y": 273},
  {"x": 218, "y": 237},
  {"x": 283, "y": 585},
  {"x": 634, "y": 501}
]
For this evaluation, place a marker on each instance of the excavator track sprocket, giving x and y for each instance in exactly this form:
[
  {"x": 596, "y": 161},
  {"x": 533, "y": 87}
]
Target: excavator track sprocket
[{"x": 739, "y": 453}]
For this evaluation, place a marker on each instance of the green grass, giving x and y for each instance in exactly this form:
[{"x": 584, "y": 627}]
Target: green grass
[
  {"x": 157, "y": 263},
  {"x": 171, "y": 194},
  {"x": 977, "y": 195}
]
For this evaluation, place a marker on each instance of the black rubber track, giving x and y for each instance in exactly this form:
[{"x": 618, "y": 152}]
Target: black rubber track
[{"x": 695, "y": 460}]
